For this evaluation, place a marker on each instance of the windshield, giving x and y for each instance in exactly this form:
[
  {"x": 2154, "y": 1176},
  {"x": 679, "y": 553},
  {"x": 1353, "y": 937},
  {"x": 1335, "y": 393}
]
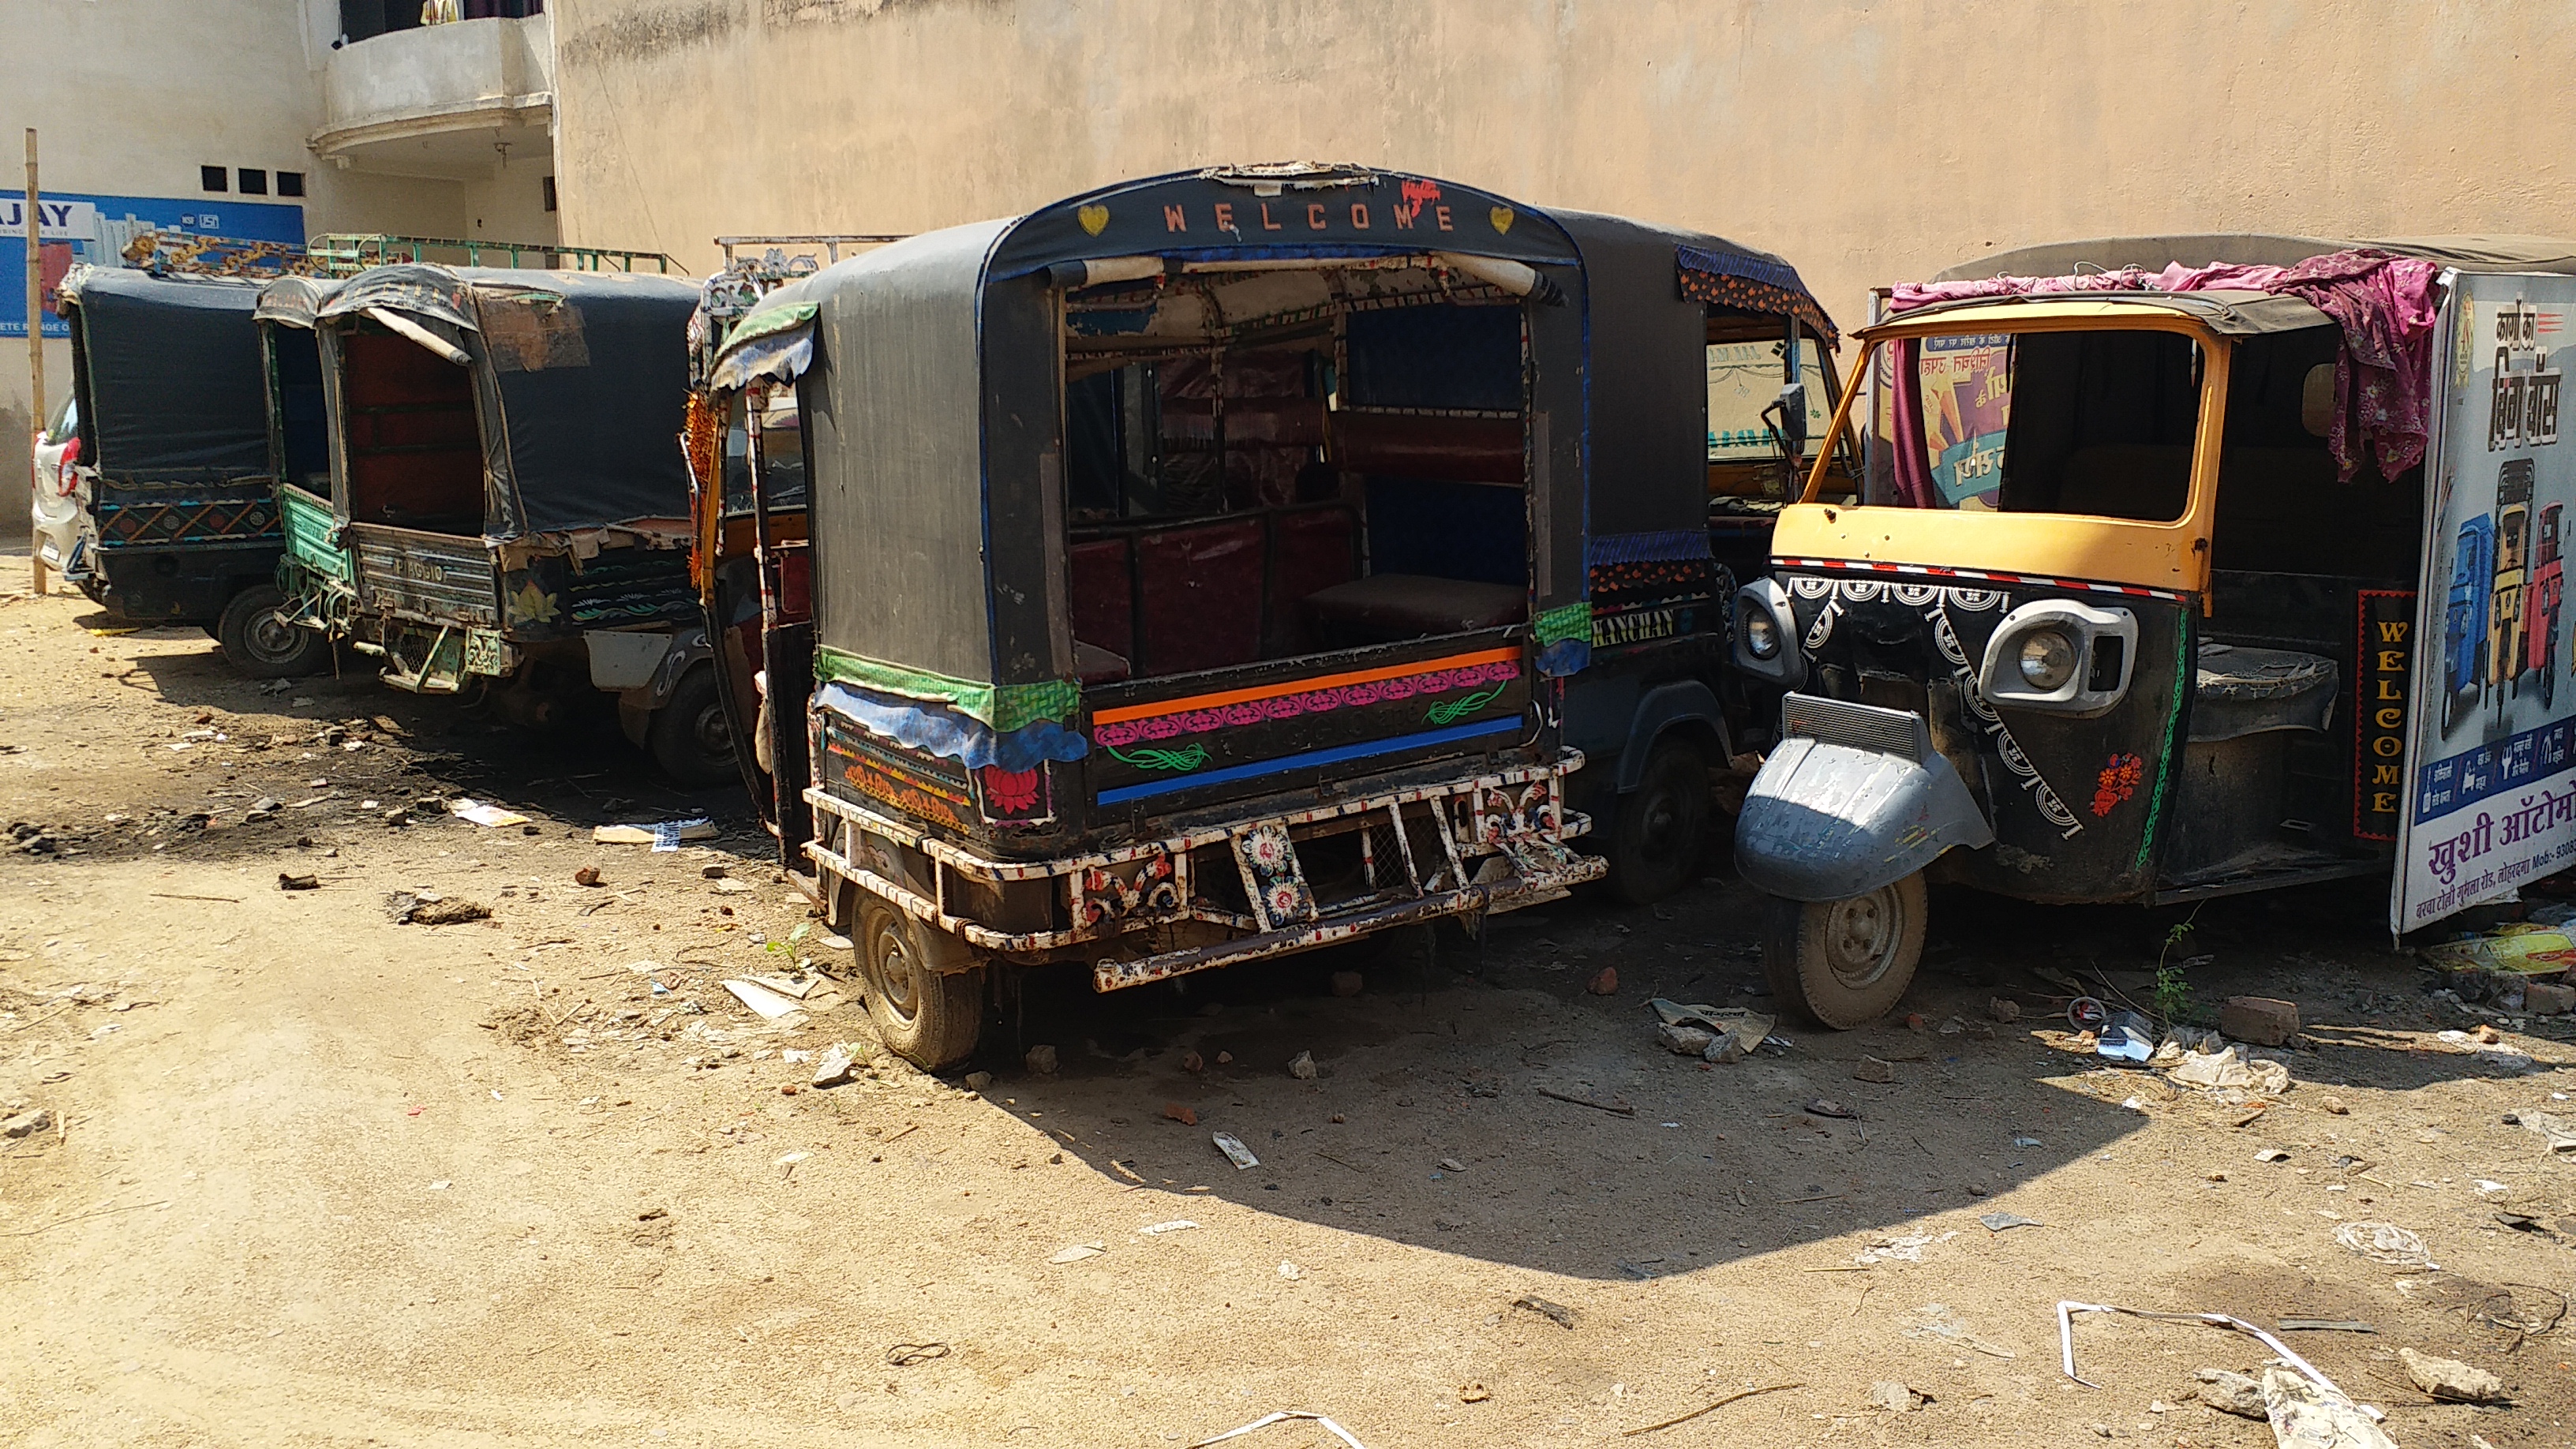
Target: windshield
[
  {"x": 2097, "y": 423},
  {"x": 1743, "y": 379},
  {"x": 782, "y": 447},
  {"x": 66, "y": 420}
]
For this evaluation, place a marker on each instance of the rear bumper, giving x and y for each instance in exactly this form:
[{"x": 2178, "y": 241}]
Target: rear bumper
[{"x": 1484, "y": 842}]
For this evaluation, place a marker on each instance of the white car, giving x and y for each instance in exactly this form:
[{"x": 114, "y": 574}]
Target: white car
[{"x": 64, "y": 536}]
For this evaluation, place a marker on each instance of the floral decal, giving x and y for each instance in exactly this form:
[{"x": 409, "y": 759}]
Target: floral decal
[
  {"x": 1011, "y": 792},
  {"x": 532, "y": 605},
  {"x": 2117, "y": 782}
]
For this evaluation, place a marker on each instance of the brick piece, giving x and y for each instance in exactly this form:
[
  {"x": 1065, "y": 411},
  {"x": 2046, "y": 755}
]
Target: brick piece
[
  {"x": 2258, "y": 1019},
  {"x": 2548, "y": 998}
]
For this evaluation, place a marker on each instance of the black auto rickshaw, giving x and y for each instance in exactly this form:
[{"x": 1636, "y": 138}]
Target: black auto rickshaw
[
  {"x": 1200, "y": 571},
  {"x": 172, "y": 464},
  {"x": 2151, "y": 593},
  {"x": 512, "y": 512}
]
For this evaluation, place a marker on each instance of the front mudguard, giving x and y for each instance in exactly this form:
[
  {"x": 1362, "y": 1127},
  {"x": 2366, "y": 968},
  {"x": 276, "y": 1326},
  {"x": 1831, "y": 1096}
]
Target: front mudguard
[{"x": 1827, "y": 822}]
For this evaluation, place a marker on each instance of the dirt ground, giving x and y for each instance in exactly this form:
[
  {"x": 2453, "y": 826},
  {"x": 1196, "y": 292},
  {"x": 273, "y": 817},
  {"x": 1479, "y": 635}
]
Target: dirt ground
[{"x": 312, "y": 1177}]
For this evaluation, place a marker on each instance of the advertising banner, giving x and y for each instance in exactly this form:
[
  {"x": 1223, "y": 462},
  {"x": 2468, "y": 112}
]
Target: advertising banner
[
  {"x": 2492, "y": 746},
  {"x": 95, "y": 229}
]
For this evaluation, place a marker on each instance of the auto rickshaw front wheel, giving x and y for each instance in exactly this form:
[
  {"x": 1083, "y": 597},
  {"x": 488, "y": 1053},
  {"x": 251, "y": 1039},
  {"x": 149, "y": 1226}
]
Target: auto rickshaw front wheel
[
  {"x": 927, "y": 1016},
  {"x": 1845, "y": 963},
  {"x": 1662, "y": 825},
  {"x": 690, "y": 738}
]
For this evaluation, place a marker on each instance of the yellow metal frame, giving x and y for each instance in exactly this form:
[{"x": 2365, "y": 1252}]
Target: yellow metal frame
[{"x": 2171, "y": 555}]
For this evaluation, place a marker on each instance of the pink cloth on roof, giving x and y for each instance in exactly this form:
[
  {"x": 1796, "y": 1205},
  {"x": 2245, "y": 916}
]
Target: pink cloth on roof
[{"x": 2385, "y": 305}]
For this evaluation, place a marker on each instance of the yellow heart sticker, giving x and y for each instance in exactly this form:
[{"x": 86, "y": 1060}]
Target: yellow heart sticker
[
  {"x": 1094, "y": 219},
  {"x": 1501, "y": 217}
]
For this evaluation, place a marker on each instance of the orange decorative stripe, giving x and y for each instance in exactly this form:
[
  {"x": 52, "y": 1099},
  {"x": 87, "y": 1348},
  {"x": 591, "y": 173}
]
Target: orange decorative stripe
[{"x": 1302, "y": 686}]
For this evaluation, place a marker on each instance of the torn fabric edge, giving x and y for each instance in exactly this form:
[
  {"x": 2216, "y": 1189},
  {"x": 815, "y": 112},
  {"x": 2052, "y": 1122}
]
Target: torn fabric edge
[
  {"x": 945, "y": 732},
  {"x": 584, "y": 544},
  {"x": 777, "y": 343}
]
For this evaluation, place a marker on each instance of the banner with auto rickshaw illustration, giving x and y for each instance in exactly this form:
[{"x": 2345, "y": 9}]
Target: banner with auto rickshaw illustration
[{"x": 2490, "y": 747}]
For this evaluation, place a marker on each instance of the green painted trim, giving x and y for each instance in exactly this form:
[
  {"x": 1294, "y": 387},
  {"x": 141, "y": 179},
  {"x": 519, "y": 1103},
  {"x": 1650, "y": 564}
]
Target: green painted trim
[
  {"x": 2186, "y": 667},
  {"x": 307, "y": 523},
  {"x": 1154, "y": 758},
  {"x": 1566, "y": 621},
  {"x": 1450, "y": 711},
  {"x": 1002, "y": 707}
]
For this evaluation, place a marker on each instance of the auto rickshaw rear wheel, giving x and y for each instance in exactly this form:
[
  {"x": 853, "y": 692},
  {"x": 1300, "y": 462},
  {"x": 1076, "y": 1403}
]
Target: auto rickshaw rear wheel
[
  {"x": 263, "y": 643},
  {"x": 1662, "y": 824},
  {"x": 925, "y": 1015},
  {"x": 689, "y": 736},
  {"x": 1845, "y": 963}
]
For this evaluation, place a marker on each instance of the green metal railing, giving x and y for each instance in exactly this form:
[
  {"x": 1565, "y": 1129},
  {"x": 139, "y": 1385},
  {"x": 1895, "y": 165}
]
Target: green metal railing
[{"x": 345, "y": 254}]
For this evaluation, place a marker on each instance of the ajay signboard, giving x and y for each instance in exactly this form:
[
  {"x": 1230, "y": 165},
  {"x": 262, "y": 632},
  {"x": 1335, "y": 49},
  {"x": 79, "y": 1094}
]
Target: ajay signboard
[
  {"x": 2491, "y": 793},
  {"x": 95, "y": 229}
]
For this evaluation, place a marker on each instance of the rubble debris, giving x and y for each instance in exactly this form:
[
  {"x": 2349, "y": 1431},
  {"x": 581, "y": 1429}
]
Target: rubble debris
[
  {"x": 429, "y": 908},
  {"x": 838, "y": 1065},
  {"x": 1828, "y": 1107},
  {"x": 2558, "y": 1132},
  {"x": 475, "y": 812},
  {"x": 1235, "y": 1152},
  {"x": 2385, "y": 1243},
  {"x": 1893, "y": 1396},
  {"x": 2272, "y": 1154},
  {"x": 1178, "y": 1113},
  {"x": 27, "y": 1123},
  {"x": 2308, "y": 1412},
  {"x": 1346, "y": 983},
  {"x": 2230, "y": 1067},
  {"x": 1872, "y": 1069},
  {"x": 2232, "y": 1393},
  {"x": 1726, "y": 1025},
  {"x": 1291, "y": 1271},
  {"x": 1472, "y": 1392},
  {"x": 976, "y": 1081},
  {"x": 1302, "y": 1066},
  {"x": 588, "y": 875},
  {"x": 662, "y": 835},
  {"x": 2549, "y": 998},
  {"x": 1451, "y": 1164},
  {"x": 2450, "y": 1380},
  {"x": 2003, "y": 1009},
  {"x": 1191, "y": 1061},
  {"x": 1040, "y": 1060},
  {"x": 289, "y": 882},
  {"x": 713, "y": 870},
  {"x": 770, "y": 1004},
  {"x": 1604, "y": 982},
  {"x": 1686, "y": 1041},
  {"x": 2334, "y": 1106},
  {"x": 2262, "y": 1020},
  {"x": 1557, "y": 1313}
]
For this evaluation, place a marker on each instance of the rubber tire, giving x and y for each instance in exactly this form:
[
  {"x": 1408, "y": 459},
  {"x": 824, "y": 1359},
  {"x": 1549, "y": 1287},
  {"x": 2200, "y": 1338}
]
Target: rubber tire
[
  {"x": 260, "y": 644},
  {"x": 1662, "y": 826},
  {"x": 678, "y": 733},
  {"x": 1796, "y": 962},
  {"x": 929, "y": 1018}
]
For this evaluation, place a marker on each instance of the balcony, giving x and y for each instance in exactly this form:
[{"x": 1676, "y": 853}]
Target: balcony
[{"x": 450, "y": 101}]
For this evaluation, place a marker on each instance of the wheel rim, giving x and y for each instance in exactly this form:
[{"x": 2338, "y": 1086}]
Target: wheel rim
[
  {"x": 1658, "y": 825},
  {"x": 1861, "y": 937},
  {"x": 272, "y": 639},
  {"x": 897, "y": 984},
  {"x": 712, "y": 736}
]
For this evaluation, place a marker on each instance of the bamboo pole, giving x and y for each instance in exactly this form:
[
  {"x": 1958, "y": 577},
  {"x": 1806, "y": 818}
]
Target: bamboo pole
[{"x": 35, "y": 358}]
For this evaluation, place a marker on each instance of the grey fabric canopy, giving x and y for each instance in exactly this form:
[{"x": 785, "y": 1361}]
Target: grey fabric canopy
[
  {"x": 2257, "y": 249},
  {"x": 168, "y": 370}
]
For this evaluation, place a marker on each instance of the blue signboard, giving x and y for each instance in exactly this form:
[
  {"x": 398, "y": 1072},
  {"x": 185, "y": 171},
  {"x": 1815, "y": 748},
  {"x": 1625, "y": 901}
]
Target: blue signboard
[{"x": 74, "y": 227}]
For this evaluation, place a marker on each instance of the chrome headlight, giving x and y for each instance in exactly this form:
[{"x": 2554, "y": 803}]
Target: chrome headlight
[
  {"x": 2060, "y": 655},
  {"x": 2047, "y": 660},
  {"x": 1762, "y": 637}
]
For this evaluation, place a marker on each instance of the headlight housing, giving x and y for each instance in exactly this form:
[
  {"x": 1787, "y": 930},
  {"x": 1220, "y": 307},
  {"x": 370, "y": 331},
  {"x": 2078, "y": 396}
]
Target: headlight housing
[
  {"x": 1766, "y": 634},
  {"x": 2047, "y": 660}
]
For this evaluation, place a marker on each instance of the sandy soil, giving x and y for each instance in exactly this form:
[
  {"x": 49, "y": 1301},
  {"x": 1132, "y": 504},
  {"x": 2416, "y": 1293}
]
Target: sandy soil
[{"x": 315, "y": 1177}]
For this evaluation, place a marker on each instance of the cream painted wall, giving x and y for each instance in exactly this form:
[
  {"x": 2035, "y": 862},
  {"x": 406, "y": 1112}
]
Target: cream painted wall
[{"x": 1869, "y": 140}]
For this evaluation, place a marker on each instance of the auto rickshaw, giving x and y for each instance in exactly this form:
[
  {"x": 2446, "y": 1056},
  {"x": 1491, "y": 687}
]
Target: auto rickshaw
[
  {"x": 2548, "y": 591},
  {"x": 2189, "y": 641},
  {"x": 171, "y": 463},
  {"x": 503, "y": 484},
  {"x": 1232, "y": 563},
  {"x": 317, "y": 573}
]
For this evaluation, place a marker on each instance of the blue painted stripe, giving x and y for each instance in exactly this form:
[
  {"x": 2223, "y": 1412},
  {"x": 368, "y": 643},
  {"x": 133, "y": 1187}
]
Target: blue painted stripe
[{"x": 1311, "y": 757}]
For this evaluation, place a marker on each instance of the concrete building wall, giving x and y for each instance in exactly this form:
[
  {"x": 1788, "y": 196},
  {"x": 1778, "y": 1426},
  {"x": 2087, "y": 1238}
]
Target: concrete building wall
[{"x": 1870, "y": 140}]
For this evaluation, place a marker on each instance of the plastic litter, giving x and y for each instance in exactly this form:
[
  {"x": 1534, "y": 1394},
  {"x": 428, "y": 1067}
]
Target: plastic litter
[
  {"x": 768, "y": 1003},
  {"x": 1997, "y": 1222},
  {"x": 1266, "y": 1420},
  {"x": 2231, "y": 1067},
  {"x": 664, "y": 835},
  {"x": 1235, "y": 1152},
  {"x": 2386, "y": 1243},
  {"x": 1176, "y": 1225},
  {"x": 1748, "y": 1027},
  {"x": 477, "y": 813}
]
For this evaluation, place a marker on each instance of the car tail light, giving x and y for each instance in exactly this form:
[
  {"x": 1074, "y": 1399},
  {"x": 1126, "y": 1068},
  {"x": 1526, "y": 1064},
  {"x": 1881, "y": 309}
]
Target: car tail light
[{"x": 66, "y": 482}]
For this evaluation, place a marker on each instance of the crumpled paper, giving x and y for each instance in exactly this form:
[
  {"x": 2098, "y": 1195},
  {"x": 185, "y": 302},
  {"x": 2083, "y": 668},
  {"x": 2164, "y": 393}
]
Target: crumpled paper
[{"x": 2230, "y": 1067}]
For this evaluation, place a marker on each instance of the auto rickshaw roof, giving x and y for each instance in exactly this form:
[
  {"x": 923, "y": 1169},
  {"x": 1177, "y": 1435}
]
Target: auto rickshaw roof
[
  {"x": 2155, "y": 253},
  {"x": 169, "y": 372},
  {"x": 2227, "y": 313},
  {"x": 295, "y": 301}
]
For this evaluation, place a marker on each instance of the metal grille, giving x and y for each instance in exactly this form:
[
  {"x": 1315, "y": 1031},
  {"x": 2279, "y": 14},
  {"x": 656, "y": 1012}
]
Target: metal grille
[{"x": 1860, "y": 726}]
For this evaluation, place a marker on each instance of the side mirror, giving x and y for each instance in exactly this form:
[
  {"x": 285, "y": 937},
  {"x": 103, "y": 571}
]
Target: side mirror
[{"x": 1791, "y": 405}]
